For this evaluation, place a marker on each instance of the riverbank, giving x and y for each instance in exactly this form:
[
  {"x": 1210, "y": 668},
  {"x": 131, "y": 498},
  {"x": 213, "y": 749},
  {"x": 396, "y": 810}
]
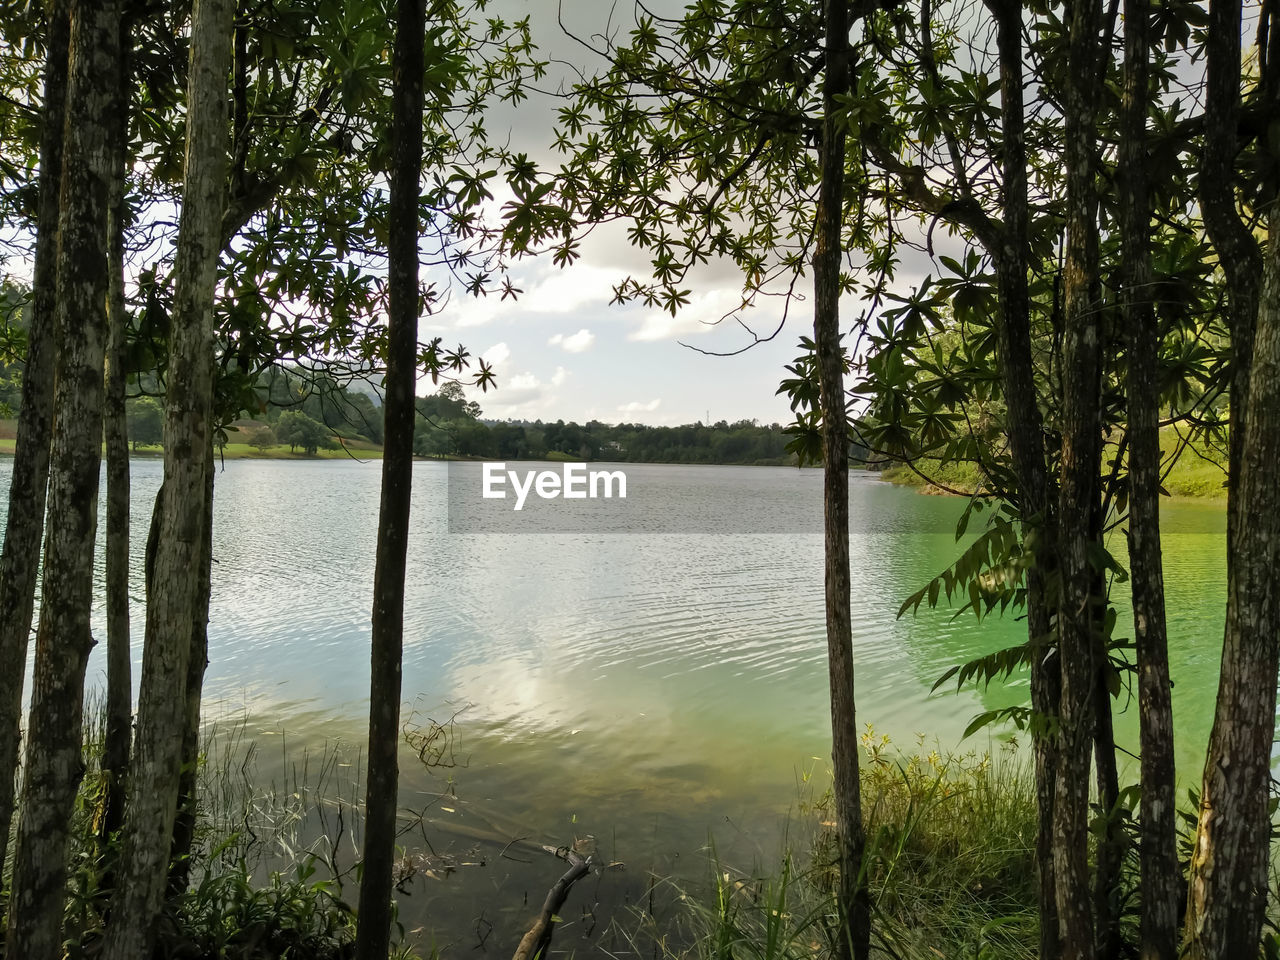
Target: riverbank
[
  {"x": 1200, "y": 471},
  {"x": 273, "y": 872}
]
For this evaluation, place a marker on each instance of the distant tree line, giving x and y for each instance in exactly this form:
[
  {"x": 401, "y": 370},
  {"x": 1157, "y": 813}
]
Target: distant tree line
[{"x": 449, "y": 425}]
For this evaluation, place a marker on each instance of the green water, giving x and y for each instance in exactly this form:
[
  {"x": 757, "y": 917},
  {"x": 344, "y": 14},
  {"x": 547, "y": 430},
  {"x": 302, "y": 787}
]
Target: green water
[{"x": 655, "y": 691}]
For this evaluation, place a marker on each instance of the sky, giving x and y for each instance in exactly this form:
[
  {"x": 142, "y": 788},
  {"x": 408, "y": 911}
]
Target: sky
[{"x": 561, "y": 351}]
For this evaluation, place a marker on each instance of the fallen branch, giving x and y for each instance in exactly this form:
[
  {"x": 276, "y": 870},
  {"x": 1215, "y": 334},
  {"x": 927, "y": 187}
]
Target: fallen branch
[{"x": 535, "y": 942}]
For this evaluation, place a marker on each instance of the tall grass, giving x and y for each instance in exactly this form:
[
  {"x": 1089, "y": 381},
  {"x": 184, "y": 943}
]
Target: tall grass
[
  {"x": 240, "y": 902},
  {"x": 949, "y": 866}
]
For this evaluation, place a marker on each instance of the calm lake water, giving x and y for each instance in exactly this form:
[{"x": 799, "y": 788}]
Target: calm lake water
[{"x": 657, "y": 691}]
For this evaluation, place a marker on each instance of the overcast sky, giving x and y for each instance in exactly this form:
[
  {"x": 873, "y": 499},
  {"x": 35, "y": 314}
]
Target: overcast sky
[{"x": 561, "y": 351}]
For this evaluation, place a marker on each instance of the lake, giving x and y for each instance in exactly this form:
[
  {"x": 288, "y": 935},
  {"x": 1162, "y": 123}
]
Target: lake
[{"x": 660, "y": 691}]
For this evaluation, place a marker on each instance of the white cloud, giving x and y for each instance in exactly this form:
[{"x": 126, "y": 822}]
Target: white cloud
[
  {"x": 570, "y": 289},
  {"x": 578, "y": 342},
  {"x": 464, "y": 311},
  {"x": 701, "y": 313},
  {"x": 497, "y": 355},
  {"x": 520, "y": 395},
  {"x": 635, "y": 406}
]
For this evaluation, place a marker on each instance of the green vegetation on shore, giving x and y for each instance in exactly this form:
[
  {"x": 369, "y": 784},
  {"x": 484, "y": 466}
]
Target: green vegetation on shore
[
  {"x": 950, "y": 865},
  {"x": 1199, "y": 470}
]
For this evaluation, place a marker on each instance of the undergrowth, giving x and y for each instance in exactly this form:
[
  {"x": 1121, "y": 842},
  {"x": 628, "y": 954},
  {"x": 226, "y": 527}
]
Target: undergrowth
[{"x": 239, "y": 903}]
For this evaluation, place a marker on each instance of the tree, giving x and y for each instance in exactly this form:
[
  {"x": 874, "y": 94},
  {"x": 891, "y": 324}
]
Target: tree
[
  {"x": 1229, "y": 868},
  {"x": 53, "y": 765},
  {"x": 298, "y": 430},
  {"x": 262, "y": 439},
  {"x": 1158, "y": 855},
  {"x": 145, "y": 417},
  {"x": 179, "y": 569},
  {"x": 24, "y": 524},
  {"x": 383, "y": 774},
  {"x": 119, "y": 697},
  {"x": 854, "y": 901}
]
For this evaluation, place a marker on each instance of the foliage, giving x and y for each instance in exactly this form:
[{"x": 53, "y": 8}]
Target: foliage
[
  {"x": 949, "y": 861},
  {"x": 298, "y": 430},
  {"x": 144, "y": 418},
  {"x": 262, "y": 439}
]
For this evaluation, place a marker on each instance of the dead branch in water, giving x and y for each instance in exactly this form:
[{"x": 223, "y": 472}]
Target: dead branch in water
[{"x": 535, "y": 942}]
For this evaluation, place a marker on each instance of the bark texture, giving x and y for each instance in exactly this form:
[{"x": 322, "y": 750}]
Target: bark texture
[
  {"x": 184, "y": 823},
  {"x": 1161, "y": 879},
  {"x": 1228, "y": 892},
  {"x": 1011, "y": 253},
  {"x": 53, "y": 764},
  {"x": 387, "y": 637},
  {"x": 115, "y": 753},
  {"x": 24, "y": 525},
  {"x": 1238, "y": 252},
  {"x": 854, "y": 939},
  {"x": 174, "y": 600},
  {"x": 1109, "y": 858},
  {"x": 1078, "y": 494}
]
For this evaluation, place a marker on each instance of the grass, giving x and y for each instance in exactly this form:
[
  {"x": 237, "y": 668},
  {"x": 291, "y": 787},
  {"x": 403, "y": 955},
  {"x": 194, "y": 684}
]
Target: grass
[
  {"x": 350, "y": 449},
  {"x": 949, "y": 865},
  {"x": 274, "y": 868},
  {"x": 1198, "y": 472},
  {"x": 271, "y": 866}
]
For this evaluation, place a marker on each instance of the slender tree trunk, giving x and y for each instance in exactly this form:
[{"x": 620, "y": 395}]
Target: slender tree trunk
[
  {"x": 1026, "y": 441},
  {"x": 1157, "y": 850},
  {"x": 1229, "y": 865},
  {"x": 854, "y": 901},
  {"x": 1228, "y": 889},
  {"x": 1110, "y": 851},
  {"x": 173, "y": 603},
  {"x": 1078, "y": 494},
  {"x": 54, "y": 767},
  {"x": 1109, "y": 856},
  {"x": 381, "y": 790},
  {"x": 1238, "y": 252},
  {"x": 115, "y": 754},
  {"x": 185, "y": 823},
  {"x": 28, "y": 485}
]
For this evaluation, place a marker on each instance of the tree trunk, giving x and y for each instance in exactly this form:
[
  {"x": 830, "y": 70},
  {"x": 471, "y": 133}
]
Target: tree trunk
[
  {"x": 174, "y": 600},
  {"x": 1109, "y": 857},
  {"x": 1159, "y": 874},
  {"x": 115, "y": 753},
  {"x": 1238, "y": 252},
  {"x": 1026, "y": 442},
  {"x": 1079, "y": 491},
  {"x": 54, "y": 767},
  {"x": 28, "y": 485},
  {"x": 185, "y": 822},
  {"x": 855, "y": 934},
  {"x": 1228, "y": 892},
  {"x": 381, "y": 789},
  {"x": 1110, "y": 852}
]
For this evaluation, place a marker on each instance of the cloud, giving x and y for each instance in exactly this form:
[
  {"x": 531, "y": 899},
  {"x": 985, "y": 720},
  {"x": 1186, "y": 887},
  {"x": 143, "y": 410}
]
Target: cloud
[
  {"x": 497, "y": 355},
  {"x": 635, "y": 406},
  {"x": 520, "y": 395},
  {"x": 700, "y": 315},
  {"x": 464, "y": 311},
  {"x": 570, "y": 289},
  {"x": 578, "y": 342}
]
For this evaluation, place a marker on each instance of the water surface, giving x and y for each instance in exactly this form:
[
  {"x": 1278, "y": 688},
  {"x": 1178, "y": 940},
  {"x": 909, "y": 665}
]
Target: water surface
[{"x": 656, "y": 691}]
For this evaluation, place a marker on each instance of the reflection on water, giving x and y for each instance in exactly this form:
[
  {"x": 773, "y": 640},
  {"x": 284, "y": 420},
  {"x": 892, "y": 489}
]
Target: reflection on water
[{"x": 654, "y": 691}]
